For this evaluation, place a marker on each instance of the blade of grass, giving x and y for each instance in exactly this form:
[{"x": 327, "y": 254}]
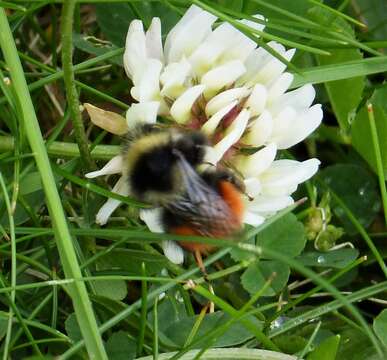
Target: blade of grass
[
  {"x": 228, "y": 354},
  {"x": 137, "y": 305},
  {"x": 237, "y": 315},
  {"x": 144, "y": 295},
  {"x": 308, "y": 345},
  {"x": 8, "y": 5},
  {"x": 247, "y": 31},
  {"x": 59, "y": 74},
  {"x": 97, "y": 189},
  {"x": 286, "y": 29},
  {"x": 342, "y": 300},
  {"x": 155, "y": 330},
  {"x": 358, "y": 226},
  {"x": 338, "y": 13},
  {"x": 80, "y": 298},
  {"x": 64, "y": 149},
  {"x": 378, "y": 157},
  {"x": 30, "y": 317},
  {"x": 77, "y": 82},
  {"x": 313, "y": 291},
  {"x": 331, "y": 306},
  {"x": 23, "y": 324},
  {"x": 13, "y": 265},
  {"x": 262, "y": 34},
  {"x": 196, "y": 326},
  {"x": 345, "y": 70}
]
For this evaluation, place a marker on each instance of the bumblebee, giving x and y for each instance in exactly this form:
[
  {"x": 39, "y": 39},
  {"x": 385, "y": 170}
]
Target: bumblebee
[{"x": 161, "y": 167}]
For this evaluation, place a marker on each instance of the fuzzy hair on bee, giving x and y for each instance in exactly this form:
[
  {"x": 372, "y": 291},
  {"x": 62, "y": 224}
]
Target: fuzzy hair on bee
[
  {"x": 162, "y": 166},
  {"x": 151, "y": 161}
]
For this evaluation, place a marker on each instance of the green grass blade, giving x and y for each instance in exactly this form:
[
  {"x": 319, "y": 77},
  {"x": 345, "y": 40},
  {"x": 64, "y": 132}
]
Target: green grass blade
[
  {"x": 378, "y": 157},
  {"x": 137, "y": 305},
  {"x": 13, "y": 265},
  {"x": 80, "y": 298},
  {"x": 338, "y": 13},
  {"x": 345, "y": 70}
]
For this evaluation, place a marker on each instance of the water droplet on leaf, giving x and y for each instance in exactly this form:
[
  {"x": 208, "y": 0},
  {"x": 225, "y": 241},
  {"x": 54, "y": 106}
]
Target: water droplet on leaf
[{"x": 321, "y": 259}]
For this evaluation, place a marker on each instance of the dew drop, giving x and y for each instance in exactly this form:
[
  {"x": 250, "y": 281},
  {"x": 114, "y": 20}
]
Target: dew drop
[
  {"x": 277, "y": 323},
  {"x": 362, "y": 191},
  {"x": 321, "y": 259}
]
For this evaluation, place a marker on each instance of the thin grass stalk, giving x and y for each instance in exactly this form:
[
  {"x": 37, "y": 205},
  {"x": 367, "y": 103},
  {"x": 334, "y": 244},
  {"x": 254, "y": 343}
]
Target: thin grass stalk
[
  {"x": 237, "y": 315},
  {"x": 40, "y": 306},
  {"x": 13, "y": 265},
  {"x": 77, "y": 82},
  {"x": 137, "y": 305},
  {"x": 378, "y": 157},
  {"x": 308, "y": 345},
  {"x": 59, "y": 74},
  {"x": 155, "y": 330},
  {"x": 69, "y": 80},
  {"x": 144, "y": 295},
  {"x": 359, "y": 227},
  {"x": 23, "y": 325},
  {"x": 356, "y": 296},
  {"x": 80, "y": 298},
  {"x": 315, "y": 290}
]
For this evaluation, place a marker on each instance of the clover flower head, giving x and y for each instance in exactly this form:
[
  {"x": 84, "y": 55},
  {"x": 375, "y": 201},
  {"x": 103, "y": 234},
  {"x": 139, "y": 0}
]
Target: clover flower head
[{"x": 217, "y": 80}]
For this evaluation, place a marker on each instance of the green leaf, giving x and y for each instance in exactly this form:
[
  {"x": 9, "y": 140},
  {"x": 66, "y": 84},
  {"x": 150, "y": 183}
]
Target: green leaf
[
  {"x": 120, "y": 347},
  {"x": 169, "y": 310},
  {"x": 344, "y": 95},
  {"x": 72, "y": 328},
  {"x": 299, "y": 7},
  {"x": 92, "y": 45},
  {"x": 114, "y": 18},
  {"x": 361, "y": 132},
  {"x": 30, "y": 183},
  {"x": 258, "y": 273},
  {"x": 241, "y": 255},
  {"x": 235, "y": 5},
  {"x": 112, "y": 289},
  {"x": 3, "y": 323},
  {"x": 355, "y": 345},
  {"x": 178, "y": 331},
  {"x": 286, "y": 235},
  {"x": 380, "y": 326},
  {"x": 326, "y": 350},
  {"x": 131, "y": 260},
  {"x": 290, "y": 344},
  {"x": 337, "y": 258},
  {"x": 357, "y": 188},
  {"x": 374, "y": 14}
]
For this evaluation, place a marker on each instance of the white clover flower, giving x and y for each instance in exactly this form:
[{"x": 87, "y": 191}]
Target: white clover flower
[{"x": 217, "y": 80}]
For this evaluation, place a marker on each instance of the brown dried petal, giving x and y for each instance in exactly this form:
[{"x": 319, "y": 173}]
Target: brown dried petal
[{"x": 107, "y": 120}]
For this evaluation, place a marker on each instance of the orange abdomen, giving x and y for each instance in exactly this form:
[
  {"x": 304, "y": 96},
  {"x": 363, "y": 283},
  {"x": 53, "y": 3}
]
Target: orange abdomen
[{"x": 232, "y": 197}]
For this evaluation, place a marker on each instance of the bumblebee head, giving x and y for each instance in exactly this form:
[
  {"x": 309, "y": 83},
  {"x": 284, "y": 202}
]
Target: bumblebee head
[
  {"x": 152, "y": 164},
  {"x": 192, "y": 147}
]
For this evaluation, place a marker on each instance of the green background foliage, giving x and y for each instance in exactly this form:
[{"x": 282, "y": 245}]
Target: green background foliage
[{"x": 309, "y": 283}]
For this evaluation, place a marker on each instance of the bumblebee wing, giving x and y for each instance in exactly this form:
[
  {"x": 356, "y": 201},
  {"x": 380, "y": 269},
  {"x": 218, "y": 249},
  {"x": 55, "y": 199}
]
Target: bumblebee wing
[{"x": 201, "y": 206}]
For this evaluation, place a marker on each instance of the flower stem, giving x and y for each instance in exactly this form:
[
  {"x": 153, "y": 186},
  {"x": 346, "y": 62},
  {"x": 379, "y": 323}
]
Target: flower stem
[
  {"x": 80, "y": 298},
  {"x": 69, "y": 80}
]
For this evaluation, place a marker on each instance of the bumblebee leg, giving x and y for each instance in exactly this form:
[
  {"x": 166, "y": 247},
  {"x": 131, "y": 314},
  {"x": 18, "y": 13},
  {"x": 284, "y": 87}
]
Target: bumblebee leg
[{"x": 199, "y": 261}]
